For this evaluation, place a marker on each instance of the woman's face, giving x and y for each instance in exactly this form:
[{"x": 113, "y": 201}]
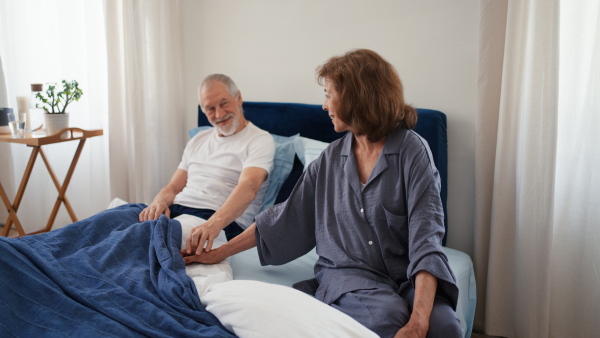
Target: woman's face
[{"x": 331, "y": 105}]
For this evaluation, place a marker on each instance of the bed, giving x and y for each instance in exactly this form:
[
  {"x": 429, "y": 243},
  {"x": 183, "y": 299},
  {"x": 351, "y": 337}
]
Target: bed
[
  {"x": 301, "y": 132},
  {"x": 110, "y": 275}
]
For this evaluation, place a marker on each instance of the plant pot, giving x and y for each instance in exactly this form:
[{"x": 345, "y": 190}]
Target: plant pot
[
  {"x": 55, "y": 122},
  {"x": 4, "y": 118}
]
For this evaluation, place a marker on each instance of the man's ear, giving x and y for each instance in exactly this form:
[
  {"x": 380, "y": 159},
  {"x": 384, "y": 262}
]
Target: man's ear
[{"x": 239, "y": 98}]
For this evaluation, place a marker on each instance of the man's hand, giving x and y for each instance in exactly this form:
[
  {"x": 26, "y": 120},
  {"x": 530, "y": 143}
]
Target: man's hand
[
  {"x": 202, "y": 237},
  {"x": 207, "y": 257},
  {"x": 244, "y": 241},
  {"x": 164, "y": 199},
  {"x": 154, "y": 210}
]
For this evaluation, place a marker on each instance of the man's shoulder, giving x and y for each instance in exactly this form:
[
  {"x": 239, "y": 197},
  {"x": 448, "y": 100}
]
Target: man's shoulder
[
  {"x": 255, "y": 132},
  {"x": 254, "y": 129}
]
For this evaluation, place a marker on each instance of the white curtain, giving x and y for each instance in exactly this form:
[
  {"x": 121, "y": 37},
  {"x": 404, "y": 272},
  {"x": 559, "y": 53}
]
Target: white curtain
[
  {"x": 5, "y": 167},
  {"x": 46, "y": 41},
  {"x": 146, "y": 110},
  {"x": 537, "y": 215},
  {"x": 126, "y": 55},
  {"x": 3, "y": 96}
]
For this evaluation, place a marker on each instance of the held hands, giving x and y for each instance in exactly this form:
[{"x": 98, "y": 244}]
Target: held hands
[
  {"x": 201, "y": 238},
  {"x": 207, "y": 257},
  {"x": 154, "y": 210},
  {"x": 244, "y": 241}
]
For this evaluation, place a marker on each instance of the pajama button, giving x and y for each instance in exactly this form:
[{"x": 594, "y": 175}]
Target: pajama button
[
  {"x": 361, "y": 210},
  {"x": 370, "y": 242}
]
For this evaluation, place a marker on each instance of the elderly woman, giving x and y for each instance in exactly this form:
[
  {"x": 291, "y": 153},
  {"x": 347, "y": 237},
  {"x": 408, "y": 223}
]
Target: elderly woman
[{"x": 371, "y": 205}]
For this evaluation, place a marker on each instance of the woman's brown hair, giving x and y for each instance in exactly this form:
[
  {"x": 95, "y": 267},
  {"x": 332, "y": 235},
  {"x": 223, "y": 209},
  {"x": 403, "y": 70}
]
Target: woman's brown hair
[{"x": 371, "y": 96}]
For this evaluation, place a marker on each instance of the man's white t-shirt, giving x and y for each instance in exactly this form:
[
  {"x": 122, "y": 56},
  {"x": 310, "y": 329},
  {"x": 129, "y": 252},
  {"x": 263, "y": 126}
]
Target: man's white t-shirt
[{"x": 214, "y": 165}]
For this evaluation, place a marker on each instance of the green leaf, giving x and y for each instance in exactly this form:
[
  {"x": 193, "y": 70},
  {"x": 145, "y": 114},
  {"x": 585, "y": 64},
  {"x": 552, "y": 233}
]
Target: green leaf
[{"x": 55, "y": 95}]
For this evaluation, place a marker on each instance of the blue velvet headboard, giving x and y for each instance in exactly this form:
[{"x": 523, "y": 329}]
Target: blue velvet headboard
[{"x": 309, "y": 120}]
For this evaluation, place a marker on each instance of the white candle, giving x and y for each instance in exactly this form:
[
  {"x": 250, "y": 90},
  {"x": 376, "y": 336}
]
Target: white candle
[
  {"x": 23, "y": 104},
  {"x": 23, "y": 107}
]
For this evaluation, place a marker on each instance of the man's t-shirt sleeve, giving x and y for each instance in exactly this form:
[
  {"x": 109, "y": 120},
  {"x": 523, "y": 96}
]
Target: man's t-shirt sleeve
[{"x": 261, "y": 151}]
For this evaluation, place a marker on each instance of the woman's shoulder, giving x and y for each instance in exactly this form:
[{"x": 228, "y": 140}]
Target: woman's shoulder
[
  {"x": 412, "y": 147},
  {"x": 415, "y": 140},
  {"x": 405, "y": 139}
]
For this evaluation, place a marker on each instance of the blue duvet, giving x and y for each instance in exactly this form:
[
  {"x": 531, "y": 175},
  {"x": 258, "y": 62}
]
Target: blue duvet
[{"x": 107, "y": 275}]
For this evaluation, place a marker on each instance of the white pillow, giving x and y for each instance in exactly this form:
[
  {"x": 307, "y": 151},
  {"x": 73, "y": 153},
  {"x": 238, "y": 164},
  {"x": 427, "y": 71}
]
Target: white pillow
[
  {"x": 308, "y": 149},
  {"x": 257, "y": 309}
]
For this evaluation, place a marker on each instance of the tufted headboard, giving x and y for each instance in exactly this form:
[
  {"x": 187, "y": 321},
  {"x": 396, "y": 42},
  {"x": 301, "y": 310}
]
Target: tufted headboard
[{"x": 309, "y": 120}]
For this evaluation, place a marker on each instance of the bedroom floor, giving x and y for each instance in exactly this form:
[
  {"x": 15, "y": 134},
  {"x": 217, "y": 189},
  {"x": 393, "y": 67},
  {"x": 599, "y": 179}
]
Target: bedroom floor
[{"x": 481, "y": 335}]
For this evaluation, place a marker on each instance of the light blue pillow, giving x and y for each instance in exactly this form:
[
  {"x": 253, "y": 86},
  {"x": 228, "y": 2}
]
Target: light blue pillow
[
  {"x": 192, "y": 132},
  {"x": 308, "y": 149},
  {"x": 282, "y": 166}
]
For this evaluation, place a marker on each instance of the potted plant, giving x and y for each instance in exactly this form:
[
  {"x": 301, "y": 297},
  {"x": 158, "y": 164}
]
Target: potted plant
[{"x": 55, "y": 101}]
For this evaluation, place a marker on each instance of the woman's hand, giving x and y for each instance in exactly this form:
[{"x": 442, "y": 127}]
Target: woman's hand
[
  {"x": 207, "y": 257},
  {"x": 154, "y": 210},
  {"x": 418, "y": 324},
  {"x": 411, "y": 330}
]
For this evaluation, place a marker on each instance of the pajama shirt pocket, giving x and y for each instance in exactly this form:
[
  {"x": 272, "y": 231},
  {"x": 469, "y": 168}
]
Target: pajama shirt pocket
[{"x": 398, "y": 227}]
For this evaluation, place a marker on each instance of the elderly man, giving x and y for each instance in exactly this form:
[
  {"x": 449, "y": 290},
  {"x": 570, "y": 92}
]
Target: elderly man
[{"x": 223, "y": 171}]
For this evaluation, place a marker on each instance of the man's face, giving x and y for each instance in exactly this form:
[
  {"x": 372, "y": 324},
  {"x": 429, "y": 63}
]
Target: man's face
[{"x": 223, "y": 110}]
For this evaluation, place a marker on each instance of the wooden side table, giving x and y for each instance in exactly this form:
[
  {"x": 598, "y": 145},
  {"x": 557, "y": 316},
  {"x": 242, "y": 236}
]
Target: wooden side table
[{"x": 67, "y": 134}]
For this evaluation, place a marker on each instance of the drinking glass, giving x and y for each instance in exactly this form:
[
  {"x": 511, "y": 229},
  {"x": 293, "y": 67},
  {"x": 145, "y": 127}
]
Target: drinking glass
[{"x": 17, "y": 124}]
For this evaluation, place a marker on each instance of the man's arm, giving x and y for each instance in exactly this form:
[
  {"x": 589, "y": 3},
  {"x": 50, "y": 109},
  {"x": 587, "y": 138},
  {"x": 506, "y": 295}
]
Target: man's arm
[
  {"x": 240, "y": 198},
  {"x": 425, "y": 289},
  {"x": 243, "y": 242},
  {"x": 164, "y": 199}
]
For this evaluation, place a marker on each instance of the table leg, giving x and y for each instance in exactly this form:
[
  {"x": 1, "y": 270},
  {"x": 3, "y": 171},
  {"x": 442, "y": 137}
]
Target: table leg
[
  {"x": 12, "y": 216},
  {"x": 63, "y": 189},
  {"x": 58, "y": 186}
]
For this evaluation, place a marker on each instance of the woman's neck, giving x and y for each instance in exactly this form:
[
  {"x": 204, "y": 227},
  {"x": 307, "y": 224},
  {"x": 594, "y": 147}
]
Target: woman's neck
[
  {"x": 363, "y": 145},
  {"x": 366, "y": 154}
]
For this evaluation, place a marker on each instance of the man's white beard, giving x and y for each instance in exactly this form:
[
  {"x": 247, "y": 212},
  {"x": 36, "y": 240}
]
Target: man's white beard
[{"x": 229, "y": 129}]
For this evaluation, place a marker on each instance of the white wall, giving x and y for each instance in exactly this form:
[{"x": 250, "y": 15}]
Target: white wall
[{"x": 272, "y": 47}]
